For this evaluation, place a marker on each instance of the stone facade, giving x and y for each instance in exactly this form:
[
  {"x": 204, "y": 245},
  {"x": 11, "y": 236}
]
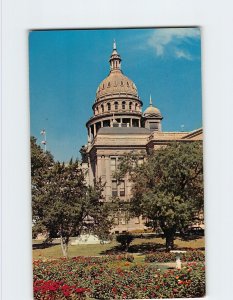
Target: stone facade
[{"x": 119, "y": 126}]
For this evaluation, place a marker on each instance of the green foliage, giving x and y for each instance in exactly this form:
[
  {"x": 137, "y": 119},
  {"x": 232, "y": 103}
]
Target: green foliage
[
  {"x": 41, "y": 165},
  {"x": 125, "y": 240},
  {"x": 168, "y": 187},
  {"x": 63, "y": 205}
]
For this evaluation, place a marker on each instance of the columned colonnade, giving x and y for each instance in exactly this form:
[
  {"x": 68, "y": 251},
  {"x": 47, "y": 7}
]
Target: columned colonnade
[{"x": 113, "y": 122}]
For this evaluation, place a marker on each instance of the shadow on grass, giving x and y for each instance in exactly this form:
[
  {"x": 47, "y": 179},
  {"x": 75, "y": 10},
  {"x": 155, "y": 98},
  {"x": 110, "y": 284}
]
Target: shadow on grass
[
  {"x": 44, "y": 245},
  {"x": 141, "y": 248},
  {"x": 190, "y": 238},
  {"x": 147, "y": 247}
]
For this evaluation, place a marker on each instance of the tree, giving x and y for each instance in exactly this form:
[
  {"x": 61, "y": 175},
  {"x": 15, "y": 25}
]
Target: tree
[
  {"x": 167, "y": 187},
  {"x": 41, "y": 165},
  {"x": 65, "y": 206}
]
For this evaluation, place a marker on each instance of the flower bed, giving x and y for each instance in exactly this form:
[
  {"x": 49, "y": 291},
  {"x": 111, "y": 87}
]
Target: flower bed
[
  {"x": 95, "y": 278},
  {"x": 171, "y": 256}
]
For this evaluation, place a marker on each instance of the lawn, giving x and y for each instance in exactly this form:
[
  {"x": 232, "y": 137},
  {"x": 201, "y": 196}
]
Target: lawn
[{"x": 139, "y": 245}]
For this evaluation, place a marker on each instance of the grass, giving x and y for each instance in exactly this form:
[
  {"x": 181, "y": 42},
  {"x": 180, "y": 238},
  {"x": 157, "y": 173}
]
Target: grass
[{"x": 139, "y": 245}]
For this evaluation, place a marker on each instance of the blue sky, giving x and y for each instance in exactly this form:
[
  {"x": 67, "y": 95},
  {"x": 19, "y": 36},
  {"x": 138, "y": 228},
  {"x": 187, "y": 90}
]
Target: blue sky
[{"x": 66, "y": 67}]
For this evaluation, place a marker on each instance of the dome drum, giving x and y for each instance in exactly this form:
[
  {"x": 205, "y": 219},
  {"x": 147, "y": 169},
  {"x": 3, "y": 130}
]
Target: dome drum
[
  {"x": 117, "y": 105},
  {"x": 111, "y": 116}
]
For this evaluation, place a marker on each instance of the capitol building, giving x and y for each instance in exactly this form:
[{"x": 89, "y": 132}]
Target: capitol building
[{"x": 120, "y": 125}]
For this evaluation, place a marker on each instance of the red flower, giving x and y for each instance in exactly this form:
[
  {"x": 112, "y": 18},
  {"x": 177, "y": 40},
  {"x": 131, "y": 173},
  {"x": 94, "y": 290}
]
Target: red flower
[
  {"x": 80, "y": 290},
  {"x": 66, "y": 293}
]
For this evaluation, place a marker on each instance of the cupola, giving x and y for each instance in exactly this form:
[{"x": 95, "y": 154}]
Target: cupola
[{"x": 152, "y": 117}]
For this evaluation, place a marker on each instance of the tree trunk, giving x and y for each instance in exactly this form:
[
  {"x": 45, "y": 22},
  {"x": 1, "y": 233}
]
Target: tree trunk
[
  {"x": 169, "y": 234},
  {"x": 169, "y": 241},
  {"x": 64, "y": 246}
]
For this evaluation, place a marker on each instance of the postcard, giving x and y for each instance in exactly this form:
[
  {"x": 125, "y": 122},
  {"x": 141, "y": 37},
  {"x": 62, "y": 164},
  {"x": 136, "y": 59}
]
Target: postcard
[{"x": 117, "y": 163}]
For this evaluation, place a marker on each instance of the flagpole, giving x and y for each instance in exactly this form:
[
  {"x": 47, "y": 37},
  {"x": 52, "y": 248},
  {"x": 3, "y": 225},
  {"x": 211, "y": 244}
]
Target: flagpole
[{"x": 45, "y": 149}]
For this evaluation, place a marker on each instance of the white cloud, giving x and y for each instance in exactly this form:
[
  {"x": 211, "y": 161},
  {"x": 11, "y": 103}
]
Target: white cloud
[
  {"x": 183, "y": 54},
  {"x": 161, "y": 38}
]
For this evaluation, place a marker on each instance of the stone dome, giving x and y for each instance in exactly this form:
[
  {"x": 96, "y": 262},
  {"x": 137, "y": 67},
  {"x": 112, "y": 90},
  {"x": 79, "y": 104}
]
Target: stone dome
[
  {"x": 116, "y": 83},
  {"x": 152, "y": 111}
]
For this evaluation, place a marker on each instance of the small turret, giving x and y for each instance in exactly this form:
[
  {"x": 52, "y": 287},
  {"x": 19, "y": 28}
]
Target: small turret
[{"x": 152, "y": 117}]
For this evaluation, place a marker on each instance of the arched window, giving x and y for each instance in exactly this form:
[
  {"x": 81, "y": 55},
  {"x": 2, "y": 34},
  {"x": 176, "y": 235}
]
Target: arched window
[
  {"x": 127, "y": 84},
  {"x": 130, "y": 105},
  {"x": 136, "y": 106},
  {"x": 121, "y": 83},
  {"x": 102, "y": 108},
  {"x": 116, "y": 105},
  {"x": 123, "y": 105},
  {"x": 109, "y": 106},
  {"x": 109, "y": 84}
]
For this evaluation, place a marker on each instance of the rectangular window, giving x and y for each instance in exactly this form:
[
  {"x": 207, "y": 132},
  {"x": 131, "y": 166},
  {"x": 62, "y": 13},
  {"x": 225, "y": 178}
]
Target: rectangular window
[
  {"x": 154, "y": 126},
  {"x": 116, "y": 221},
  {"x": 122, "y": 188},
  {"x": 114, "y": 188},
  {"x": 123, "y": 222},
  {"x": 124, "y": 219},
  {"x": 113, "y": 164}
]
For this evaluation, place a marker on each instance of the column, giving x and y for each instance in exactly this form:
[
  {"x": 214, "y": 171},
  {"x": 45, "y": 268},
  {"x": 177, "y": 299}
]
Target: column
[
  {"x": 89, "y": 133},
  {"x": 139, "y": 122},
  {"x": 108, "y": 178},
  {"x": 98, "y": 166},
  {"x": 101, "y": 124},
  {"x": 91, "y": 177},
  {"x": 131, "y": 122},
  {"x": 94, "y": 130}
]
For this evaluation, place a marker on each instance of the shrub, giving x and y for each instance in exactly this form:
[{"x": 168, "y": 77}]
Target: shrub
[
  {"x": 125, "y": 240},
  {"x": 171, "y": 256}
]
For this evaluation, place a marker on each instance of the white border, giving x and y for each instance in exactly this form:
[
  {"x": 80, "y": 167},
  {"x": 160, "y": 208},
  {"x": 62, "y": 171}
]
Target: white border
[{"x": 216, "y": 20}]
